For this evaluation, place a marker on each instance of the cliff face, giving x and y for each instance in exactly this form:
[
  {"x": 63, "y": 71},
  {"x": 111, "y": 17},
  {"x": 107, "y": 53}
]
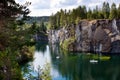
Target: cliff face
[
  {"x": 41, "y": 36},
  {"x": 95, "y": 35}
]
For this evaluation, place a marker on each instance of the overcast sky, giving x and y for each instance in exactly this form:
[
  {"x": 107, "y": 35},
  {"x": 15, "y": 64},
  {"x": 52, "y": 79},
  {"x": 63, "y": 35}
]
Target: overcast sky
[{"x": 47, "y": 7}]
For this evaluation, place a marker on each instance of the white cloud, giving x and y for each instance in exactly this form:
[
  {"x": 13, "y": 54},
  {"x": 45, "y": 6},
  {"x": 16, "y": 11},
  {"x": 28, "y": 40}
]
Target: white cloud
[
  {"x": 47, "y": 7},
  {"x": 94, "y": 4},
  {"x": 20, "y": 1},
  {"x": 55, "y": 3}
]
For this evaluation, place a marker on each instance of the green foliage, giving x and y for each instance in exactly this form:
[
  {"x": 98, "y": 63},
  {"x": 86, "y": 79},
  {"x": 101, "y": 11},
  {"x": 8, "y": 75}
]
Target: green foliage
[
  {"x": 82, "y": 12},
  {"x": 14, "y": 39},
  {"x": 118, "y": 11},
  {"x": 77, "y": 20},
  {"x": 52, "y": 23},
  {"x": 63, "y": 17},
  {"x": 42, "y": 27},
  {"x": 65, "y": 45},
  {"x": 106, "y": 10},
  {"x": 34, "y": 27},
  {"x": 38, "y": 27},
  {"x": 45, "y": 72},
  {"x": 25, "y": 54},
  {"x": 89, "y": 14},
  {"x": 9, "y": 68},
  {"x": 42, "y": 73},
  {"x": 113, "y": 11},
  {"x": 13, "y": 9},
  {"x": 38, "y": 19}
]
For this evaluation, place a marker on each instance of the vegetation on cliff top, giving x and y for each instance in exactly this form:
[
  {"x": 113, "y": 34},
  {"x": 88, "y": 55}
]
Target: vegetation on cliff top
[{"x": 64, "y": 17}]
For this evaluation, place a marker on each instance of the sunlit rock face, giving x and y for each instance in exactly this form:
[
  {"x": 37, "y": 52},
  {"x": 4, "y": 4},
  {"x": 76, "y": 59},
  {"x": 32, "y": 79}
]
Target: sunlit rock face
[
  {"x": 95, "y": 36},
  {"x": 53, "y": 36}
]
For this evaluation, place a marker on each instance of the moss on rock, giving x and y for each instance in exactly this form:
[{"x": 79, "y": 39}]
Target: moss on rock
[{"x": 68, "y": 44}]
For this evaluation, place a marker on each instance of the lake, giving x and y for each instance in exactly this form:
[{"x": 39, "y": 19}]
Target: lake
[{"x": 73, "y": 66}]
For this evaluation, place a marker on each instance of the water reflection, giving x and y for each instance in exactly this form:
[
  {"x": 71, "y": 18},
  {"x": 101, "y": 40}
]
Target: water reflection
[
  {"x": 77, "y": 66},
  {"x": 41, "y": 58},
  {"x": 41, "y": 46}
]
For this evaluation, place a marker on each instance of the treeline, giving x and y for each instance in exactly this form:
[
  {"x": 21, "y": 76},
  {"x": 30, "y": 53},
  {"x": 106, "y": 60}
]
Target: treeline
[
  {"x": 64, "y": 17},
  {"x": 33, "y": 19}
]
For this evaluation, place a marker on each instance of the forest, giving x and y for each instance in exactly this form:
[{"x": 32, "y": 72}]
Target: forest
[{"x": 65, "y": 17}]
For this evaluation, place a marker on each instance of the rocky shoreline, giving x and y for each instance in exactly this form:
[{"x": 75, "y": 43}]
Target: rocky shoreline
[{"x": 91, "y": 36}]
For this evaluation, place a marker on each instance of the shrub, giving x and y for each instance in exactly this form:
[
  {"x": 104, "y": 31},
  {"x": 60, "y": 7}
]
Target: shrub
[{"x": 68, "y": 42}]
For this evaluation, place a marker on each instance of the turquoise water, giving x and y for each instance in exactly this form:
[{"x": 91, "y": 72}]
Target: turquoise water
[{"x": 75, "y": 66}]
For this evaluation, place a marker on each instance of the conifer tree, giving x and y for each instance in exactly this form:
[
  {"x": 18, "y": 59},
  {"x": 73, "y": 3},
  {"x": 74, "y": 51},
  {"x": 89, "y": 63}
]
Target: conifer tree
[
  {"x": 106, "y": 10},
  {"x": 118, "y": 11},
  {"x": 113, "y": 11}
]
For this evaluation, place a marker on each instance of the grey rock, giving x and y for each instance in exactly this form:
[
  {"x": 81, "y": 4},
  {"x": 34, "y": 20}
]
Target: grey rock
[{"x": 95, "y": 35}]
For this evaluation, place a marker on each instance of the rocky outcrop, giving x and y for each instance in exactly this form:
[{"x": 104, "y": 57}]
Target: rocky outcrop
[
  {"x": 95, "y": 36},
  {"x": 115, "y": 47},
  {"x": 40, "y": 37}
]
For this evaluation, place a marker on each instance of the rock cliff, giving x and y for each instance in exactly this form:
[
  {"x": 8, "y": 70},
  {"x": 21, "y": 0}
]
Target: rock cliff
[
  {"x": 41, "y": 36},
  {"x": 95, "y": 36}
]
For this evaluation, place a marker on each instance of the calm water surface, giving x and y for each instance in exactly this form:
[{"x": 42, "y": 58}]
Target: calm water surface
[{"x": 76, "y": 66}]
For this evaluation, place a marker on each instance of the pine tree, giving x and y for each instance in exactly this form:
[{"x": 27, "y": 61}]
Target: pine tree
[
  {"x": 62, "y": 18},
  {"x": 113, "y": 11},
  {"x": 89, "y": 14},
  {"x": 58, "y": 19},
  {"x": 106, "y": 10},
  {"x": 73, "y": 15},
  {"x": 118, "y": 11},
  {"x": 11, "y": 40},
  {"x": 94, "y": 14},
  {"x": 84, "y": 12},
  {"x": 42, "y": 27},
  {"x": 10, "y": 9}
]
